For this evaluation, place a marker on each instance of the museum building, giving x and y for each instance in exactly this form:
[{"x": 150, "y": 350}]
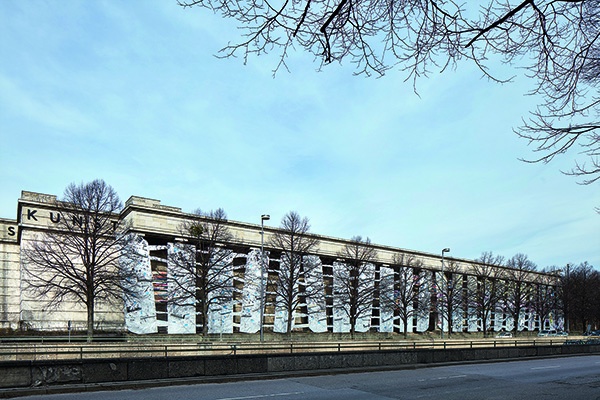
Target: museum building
[{"x": 158, "y": 231}]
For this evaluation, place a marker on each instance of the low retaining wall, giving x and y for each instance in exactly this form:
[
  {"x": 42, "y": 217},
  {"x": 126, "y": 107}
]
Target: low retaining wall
[{"x": 31, "y": 374}]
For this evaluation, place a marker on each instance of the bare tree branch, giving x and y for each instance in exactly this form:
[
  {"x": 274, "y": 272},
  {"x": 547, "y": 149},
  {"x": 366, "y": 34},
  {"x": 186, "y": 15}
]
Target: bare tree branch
[{"x": 555, "y": 42}]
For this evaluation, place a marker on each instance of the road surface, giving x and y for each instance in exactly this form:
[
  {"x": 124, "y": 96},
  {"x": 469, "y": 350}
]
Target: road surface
[{"x": 571, "y": 378}]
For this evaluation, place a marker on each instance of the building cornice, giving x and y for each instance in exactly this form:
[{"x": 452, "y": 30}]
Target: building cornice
[{"x": 248, "y": 234}]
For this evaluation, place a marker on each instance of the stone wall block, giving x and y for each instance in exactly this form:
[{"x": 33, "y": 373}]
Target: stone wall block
[
  {"x": 330, "y": 361},
  {"x": 307, "y": 362},
  {"x": 113, "y": 371},
  {"x": 282, "y": 363},
  {"x": 223, "y": 366},
  {"x": 353, "y": 360},
  {"x": 373, "y": 360},
  {"x": 393, "y": 358},
  {"x": 147, "y": 369},
  {"x": 425, "y": 356},
  {"x": 186, "y": 368},
  {"x": 15, "y": 376},
  {"x": 252, "y": 365}
]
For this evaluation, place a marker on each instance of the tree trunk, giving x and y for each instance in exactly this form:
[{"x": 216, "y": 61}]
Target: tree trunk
[
  {"x": 484, "y": 327},
  {"x": 204, "y": 319},
  {"x": 288, "y": 329},
  {"x": 516, "y": 321},
  {"x": 90, "y": 319}
]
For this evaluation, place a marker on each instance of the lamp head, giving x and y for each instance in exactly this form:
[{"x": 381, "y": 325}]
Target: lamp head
[
  {"x": 446, "y": 250},
  {"x": 265, "y": 217}
]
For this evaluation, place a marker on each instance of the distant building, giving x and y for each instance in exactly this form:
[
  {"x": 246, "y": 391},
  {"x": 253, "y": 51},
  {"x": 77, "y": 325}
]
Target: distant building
[{"x": 158, "y": 226}]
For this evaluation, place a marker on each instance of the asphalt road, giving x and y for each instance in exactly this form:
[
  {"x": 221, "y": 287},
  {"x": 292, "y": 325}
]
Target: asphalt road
[{"x": 571, "y": 378}]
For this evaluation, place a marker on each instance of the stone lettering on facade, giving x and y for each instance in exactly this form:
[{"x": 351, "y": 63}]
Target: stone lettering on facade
[{"x": 31, "y": 214}]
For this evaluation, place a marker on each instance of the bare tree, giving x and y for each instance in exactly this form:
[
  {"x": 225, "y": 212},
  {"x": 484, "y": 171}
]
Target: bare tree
[
  {"x": 451, "y": 295},
  {"x": 543, "y": 299},
  {"x": 79, "y": 259},
  {"x": 291, "y": 286},
  {"x": 203, "y": 269},
  {"x": 584, "y": 302},
  {"x": 484, "y": 299},
  {"x": 407, "y": 280},
  {"x": 354, "y": 290},
  {"x": 564, "y": 294},
  {"x": 554, "y": 42},
  {"x": 517, "y": 288}
]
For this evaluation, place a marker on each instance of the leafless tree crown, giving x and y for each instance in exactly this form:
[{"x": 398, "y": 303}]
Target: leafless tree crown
[
  {"x": 290, "y": 284},
  {"x": 294, "y": 236}
]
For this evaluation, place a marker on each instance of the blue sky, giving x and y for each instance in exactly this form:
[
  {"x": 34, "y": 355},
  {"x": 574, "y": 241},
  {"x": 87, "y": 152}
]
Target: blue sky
[{"x": 131, "y": 92}]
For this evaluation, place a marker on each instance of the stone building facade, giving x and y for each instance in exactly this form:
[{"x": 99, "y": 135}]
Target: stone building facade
[{"x": 158, "y": 233}]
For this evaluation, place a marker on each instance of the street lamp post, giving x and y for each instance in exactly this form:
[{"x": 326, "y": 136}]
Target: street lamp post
[
  {"x": 566, "y": 303},
  {"x": 446, "y": 250},
  {"x": 263, "y": 218}
]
